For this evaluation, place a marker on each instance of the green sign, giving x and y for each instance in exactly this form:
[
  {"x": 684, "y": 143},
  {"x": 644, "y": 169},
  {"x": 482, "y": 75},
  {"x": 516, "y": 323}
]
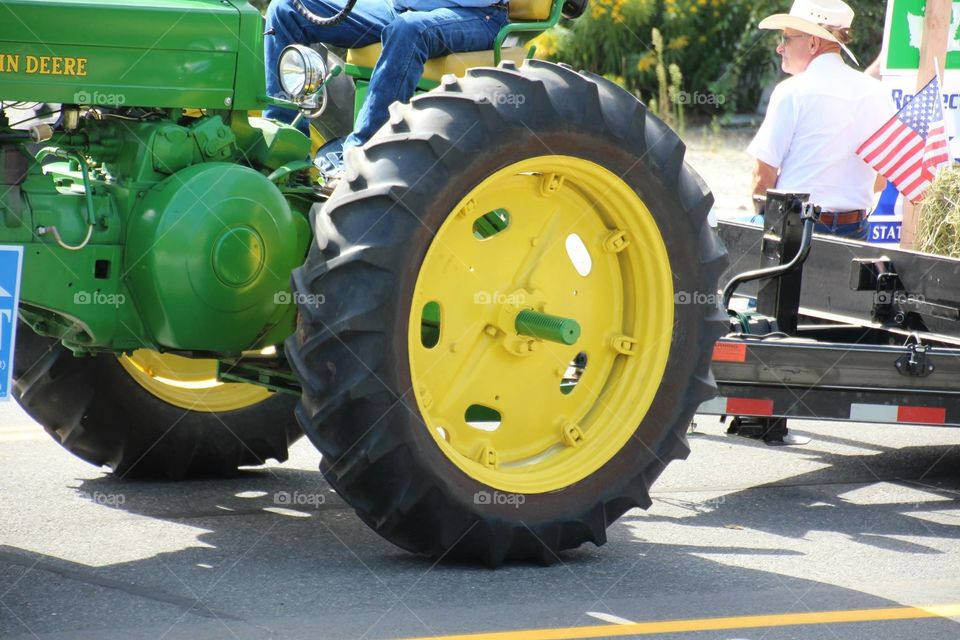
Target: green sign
[{"x": 904, "y": 33}]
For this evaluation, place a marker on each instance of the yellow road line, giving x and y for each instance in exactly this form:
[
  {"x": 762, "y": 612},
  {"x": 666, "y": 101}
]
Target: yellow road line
[{"x": 716, "y": 624}]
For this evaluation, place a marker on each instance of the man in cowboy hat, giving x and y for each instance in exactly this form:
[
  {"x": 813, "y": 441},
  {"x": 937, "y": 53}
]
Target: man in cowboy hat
[{"x": 817, "y": 118}]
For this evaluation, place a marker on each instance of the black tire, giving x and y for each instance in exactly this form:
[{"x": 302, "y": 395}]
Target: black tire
[
  {"x": 95, "y": 410},
  {"x": 351, "y": 353}
]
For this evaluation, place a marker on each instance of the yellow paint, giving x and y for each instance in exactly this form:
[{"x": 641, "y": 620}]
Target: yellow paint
[
  {"x": 317, "y": 140},
  {"x": 718, "y": 624},
  {"x": 189, "y": 383},
  {"x": 482, "y": 283},
  {"x": 44, "y": 65},
  {"x": 9, "y": 63}
]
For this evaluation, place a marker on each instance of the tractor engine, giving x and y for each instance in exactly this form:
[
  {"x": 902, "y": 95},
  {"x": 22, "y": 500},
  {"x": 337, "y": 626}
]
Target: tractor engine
[
  {"x": 160, "y": 214},
  {"x": 151, "y": 228}
]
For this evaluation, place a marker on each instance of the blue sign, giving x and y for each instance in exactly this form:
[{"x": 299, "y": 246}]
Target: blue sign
[
  {"x": 887, "y": 205},
  {"x": 11, "y": 260},
  {"x": 884, "y": 231}
]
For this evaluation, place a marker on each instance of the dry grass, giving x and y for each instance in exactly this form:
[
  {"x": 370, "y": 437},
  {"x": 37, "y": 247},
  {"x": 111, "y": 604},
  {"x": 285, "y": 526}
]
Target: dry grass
[{"x": 938, "y": 215}]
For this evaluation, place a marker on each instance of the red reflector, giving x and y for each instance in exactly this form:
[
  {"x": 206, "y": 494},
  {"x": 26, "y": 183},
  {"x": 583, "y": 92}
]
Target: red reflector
[
  {"x": 729, "y": 352},
  {"x": 924, "y": 415},
  {"x": 749, "y": 407}
]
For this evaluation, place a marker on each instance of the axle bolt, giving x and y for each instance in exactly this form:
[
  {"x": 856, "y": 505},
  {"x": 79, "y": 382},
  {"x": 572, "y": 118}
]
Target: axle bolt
[{"x": 547, "y": 327}]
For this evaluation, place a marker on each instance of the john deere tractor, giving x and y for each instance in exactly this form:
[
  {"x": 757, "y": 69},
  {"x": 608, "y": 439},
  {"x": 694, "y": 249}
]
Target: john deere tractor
[{"x": 489, "y": 328}]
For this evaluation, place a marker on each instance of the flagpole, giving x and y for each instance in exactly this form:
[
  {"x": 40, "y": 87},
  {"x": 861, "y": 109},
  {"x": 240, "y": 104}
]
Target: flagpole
[{"x": 933, "y": 46}]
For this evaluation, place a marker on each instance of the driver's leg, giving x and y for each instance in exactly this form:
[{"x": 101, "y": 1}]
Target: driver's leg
[
  {"x": 285, "y": 26},
  {"x": 408, "y": 42}
]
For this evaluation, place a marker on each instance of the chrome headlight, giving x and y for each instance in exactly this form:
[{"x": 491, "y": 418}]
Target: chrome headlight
[{"x": 301, "y": 71}]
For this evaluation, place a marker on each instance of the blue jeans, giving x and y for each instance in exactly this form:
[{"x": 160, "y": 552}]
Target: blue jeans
[
  {"x": 854, "y": 230},
  {"x": 409, "y": 39}
]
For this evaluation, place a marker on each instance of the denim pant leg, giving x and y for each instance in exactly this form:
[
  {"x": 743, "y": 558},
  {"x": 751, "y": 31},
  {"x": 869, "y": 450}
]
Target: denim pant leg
[
  {"x": 408, "y": 42},
  {"x": 362, "y": 27},
  {"x": 853, "y": 231}
]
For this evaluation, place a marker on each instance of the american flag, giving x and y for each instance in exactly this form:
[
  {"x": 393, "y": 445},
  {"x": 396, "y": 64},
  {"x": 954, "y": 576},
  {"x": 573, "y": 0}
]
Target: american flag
[{"x": 909, "y": 148}]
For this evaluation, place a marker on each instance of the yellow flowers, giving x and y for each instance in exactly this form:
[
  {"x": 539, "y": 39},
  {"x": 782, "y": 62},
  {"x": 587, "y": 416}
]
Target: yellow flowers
[
  {"x": 613, "y": 8},
  {"x": 678, "y": 43},
  {"x": 647, "y": 61},
  {"x": 546, "y": 44}
]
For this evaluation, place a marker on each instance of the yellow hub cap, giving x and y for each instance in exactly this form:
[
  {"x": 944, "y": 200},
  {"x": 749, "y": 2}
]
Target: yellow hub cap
[
  {"x": 565, "y": 237},
  {"x": 188, "y": 383}
]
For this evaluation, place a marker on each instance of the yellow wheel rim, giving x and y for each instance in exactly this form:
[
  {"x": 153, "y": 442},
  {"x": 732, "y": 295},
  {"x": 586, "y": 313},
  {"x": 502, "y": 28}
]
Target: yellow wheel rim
[
  {"x": 530, "y": 436},
  {"x": 188, "y": 383}
]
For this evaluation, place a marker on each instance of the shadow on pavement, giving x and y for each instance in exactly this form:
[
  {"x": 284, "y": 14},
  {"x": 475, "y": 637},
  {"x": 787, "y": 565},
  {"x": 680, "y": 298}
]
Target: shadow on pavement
[{"x": 275, "y": 553}]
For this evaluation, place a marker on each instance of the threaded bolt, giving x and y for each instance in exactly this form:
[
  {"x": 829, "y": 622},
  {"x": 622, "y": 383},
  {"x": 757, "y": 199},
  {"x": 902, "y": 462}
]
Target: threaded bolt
[{"x": 547, "y": 327}]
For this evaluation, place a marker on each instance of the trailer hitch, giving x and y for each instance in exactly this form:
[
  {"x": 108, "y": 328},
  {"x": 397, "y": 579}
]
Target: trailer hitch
[{"x": 785, "y": 205}]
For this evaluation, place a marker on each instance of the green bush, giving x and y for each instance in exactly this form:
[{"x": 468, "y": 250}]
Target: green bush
[{"x": 725, "y": 61}]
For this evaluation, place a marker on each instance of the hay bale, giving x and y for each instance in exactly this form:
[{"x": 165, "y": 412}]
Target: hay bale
[{"x": 938, "y": 215}]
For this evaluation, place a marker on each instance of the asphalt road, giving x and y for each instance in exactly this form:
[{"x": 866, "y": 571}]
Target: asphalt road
[{"x": 865, "y": 517}]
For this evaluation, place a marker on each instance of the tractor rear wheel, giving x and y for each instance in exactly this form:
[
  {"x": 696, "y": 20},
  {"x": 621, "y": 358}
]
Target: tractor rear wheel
[
  {"x": 149, "y": 415},
  {"x": 508, "y": 189}
]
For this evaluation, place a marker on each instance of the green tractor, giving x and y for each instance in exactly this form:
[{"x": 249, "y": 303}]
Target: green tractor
[{"x": 495, "y": 329}]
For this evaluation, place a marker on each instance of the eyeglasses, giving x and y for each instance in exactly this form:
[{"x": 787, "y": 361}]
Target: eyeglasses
[{"x": 784, "y": 38}]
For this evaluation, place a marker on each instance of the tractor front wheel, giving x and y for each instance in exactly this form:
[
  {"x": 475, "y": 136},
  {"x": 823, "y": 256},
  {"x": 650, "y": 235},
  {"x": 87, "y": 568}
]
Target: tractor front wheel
[
  {"x": 149, "y": 415},
  {"x": 519, "y": 286}
]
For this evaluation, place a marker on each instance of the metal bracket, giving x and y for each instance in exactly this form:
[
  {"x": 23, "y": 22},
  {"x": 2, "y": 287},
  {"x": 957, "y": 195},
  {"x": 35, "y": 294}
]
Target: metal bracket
[
  {"x": 273, "y": 373},
  {"x": 788, "y": 232},
  {"x": 915, "y": 363},
  {"x": 891, "y": 301}
]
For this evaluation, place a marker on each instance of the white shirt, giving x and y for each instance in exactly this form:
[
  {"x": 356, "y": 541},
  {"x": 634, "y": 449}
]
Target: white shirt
[{"x": 814, "y": 124}]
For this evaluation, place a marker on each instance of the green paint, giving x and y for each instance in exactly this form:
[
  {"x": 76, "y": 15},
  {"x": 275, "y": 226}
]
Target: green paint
[
  {"x": 904, "y": 34},
  {"x": 547, "y": 327},
  {"x": 163, "y": 53}
]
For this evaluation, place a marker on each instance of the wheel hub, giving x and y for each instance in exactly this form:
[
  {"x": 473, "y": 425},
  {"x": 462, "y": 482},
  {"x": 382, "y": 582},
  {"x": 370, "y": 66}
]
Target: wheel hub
[{"x": 532, "y": 390}]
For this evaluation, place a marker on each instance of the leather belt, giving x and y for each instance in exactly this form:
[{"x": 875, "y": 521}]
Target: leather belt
[{"x": 842, "y": 217}]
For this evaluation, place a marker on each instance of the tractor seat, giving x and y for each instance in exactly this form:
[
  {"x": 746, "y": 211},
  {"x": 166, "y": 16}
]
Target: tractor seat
[{"x": 458, "y": 63}]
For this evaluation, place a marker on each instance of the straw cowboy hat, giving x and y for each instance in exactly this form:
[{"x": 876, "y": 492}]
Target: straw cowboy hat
[{"x": 815, "y": 17}]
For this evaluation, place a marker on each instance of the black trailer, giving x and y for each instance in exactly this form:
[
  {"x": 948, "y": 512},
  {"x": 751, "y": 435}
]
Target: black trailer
[{"x": 833, "y": 329}]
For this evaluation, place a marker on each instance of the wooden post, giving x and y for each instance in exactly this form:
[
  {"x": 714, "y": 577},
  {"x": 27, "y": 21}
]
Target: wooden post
[{"x": 933, "y": 46}]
